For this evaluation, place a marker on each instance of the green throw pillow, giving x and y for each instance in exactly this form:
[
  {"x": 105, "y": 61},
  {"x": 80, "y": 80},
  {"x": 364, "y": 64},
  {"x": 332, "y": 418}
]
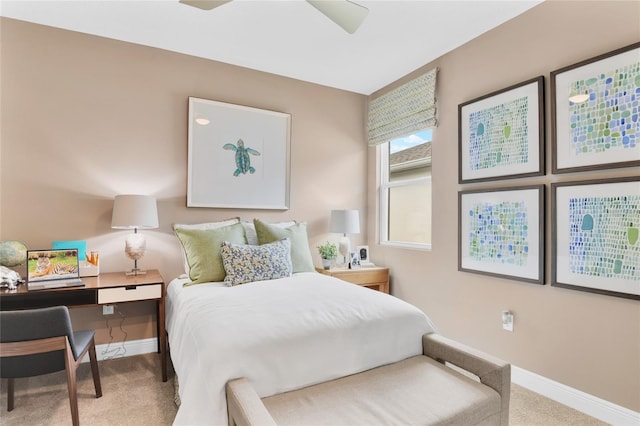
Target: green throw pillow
[
  {"x": 300, "y": 253},
  {"x": 202, "y": 250}
]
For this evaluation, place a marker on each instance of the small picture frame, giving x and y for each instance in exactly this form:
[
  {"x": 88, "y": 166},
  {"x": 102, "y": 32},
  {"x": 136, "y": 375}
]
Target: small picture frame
[
  {"x": 355, "y": 260},
  {"x": 363, "y": 254}
]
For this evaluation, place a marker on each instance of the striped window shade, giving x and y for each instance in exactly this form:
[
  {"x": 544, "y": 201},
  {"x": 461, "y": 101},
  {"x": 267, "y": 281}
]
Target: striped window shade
[{"x": 406, "y": 109}]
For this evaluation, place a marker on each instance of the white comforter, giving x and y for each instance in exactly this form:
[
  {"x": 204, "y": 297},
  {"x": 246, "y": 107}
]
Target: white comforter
[{"x": 282, "y": 335}]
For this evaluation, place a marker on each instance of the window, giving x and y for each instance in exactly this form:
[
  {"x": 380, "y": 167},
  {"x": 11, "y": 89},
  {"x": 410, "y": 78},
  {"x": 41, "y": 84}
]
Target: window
[{"x": 405, "y": 191}]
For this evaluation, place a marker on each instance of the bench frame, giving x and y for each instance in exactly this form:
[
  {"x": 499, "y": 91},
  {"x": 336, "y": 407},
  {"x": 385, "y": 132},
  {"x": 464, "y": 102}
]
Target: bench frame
[{"x": 247, "y": 409}]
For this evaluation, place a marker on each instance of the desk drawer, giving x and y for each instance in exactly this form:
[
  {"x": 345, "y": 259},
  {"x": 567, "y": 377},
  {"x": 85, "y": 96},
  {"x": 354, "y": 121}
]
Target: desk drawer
[{"x": 129, "y": 293}]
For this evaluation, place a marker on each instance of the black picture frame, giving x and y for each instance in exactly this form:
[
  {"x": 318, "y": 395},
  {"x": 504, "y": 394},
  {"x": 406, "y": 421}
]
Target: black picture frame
[
  {"x": 489, "y": 150},
  {"x": 593, "y": 247},
  {"x": 501, "y": 232},
  {"x": 597, "y": 132}
]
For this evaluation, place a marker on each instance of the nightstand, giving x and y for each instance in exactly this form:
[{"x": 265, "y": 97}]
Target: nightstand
[{"x": 373, "y": 276}]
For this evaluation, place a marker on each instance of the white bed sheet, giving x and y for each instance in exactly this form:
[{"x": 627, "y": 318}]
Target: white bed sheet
[{"x": 282, "y": 335}]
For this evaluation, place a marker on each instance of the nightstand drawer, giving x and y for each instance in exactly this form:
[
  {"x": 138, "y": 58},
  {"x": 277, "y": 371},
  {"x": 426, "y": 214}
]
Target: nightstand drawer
[
  {"x": 375, "y": 276},
  {"x": 129, "y": 293},
  {"x": 363, "y": 276}
]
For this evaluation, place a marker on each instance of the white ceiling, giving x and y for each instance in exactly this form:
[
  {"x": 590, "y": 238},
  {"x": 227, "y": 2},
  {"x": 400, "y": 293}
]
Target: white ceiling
[{"x": 286, "y": 37}]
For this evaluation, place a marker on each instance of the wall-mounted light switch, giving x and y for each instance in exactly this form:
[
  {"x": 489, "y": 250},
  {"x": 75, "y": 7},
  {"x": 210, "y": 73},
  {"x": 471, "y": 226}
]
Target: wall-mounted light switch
[{"x": 507, "y": 320}]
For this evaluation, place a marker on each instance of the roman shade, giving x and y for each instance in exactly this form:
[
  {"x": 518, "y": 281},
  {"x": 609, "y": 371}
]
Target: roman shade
[{"x": 405, "y": 109}]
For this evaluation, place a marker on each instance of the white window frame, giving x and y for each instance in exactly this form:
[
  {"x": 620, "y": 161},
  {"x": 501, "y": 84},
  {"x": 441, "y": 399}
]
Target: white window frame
[{"x": 383, "y": 196}]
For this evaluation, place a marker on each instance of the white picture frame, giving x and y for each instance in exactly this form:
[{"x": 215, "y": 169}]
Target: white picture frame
[
  {"x": 354, "y": 261},
  {"x": 238, "y": 156},
  {"x": 363, "y": 254}
]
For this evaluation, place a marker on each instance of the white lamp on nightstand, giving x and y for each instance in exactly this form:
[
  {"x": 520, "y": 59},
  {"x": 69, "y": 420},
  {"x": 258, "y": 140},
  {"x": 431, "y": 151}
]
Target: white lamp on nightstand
[
  {"x": 134, "y": 212},
  {"x": 345, "y": 222}
]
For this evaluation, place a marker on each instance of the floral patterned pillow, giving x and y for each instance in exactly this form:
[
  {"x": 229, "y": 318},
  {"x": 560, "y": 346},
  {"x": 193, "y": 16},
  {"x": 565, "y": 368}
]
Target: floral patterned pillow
[{"x": 246, "y": 263}]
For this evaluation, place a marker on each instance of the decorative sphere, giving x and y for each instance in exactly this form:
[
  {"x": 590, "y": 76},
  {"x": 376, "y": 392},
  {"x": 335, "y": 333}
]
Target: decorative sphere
[{"x": 12, "y": 253}]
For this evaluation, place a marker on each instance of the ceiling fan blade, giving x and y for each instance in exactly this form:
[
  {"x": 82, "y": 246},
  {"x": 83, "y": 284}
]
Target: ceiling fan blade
[
  {"x": 345, "y": 13},
  {"x": 204, "y": 4}
]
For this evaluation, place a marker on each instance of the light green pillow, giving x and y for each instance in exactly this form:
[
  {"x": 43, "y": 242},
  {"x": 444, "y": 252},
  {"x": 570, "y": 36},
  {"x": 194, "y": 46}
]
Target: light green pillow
[
  {"x": 204, "y": 225},
  {"x": 202, "y": 250},
  {"x": 300, "y": 253}
]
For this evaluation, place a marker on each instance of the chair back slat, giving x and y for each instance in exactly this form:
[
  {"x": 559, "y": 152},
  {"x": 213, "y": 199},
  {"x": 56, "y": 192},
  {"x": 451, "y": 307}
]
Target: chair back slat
[
  {"x": 30, "y": 347},
  {"x": 34, "y": 324}
]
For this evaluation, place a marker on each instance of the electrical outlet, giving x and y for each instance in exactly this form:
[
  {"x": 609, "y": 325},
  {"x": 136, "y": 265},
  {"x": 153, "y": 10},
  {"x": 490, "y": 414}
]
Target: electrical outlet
[
  {"x": 507, "y": 320},
  {"x": 107, "y": 309}
]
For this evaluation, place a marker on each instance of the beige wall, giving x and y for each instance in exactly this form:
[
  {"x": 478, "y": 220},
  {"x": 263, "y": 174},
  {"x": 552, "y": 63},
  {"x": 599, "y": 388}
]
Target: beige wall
[
  {"x": 587, "y": 341},
  {"x": 86, "y": 118}
]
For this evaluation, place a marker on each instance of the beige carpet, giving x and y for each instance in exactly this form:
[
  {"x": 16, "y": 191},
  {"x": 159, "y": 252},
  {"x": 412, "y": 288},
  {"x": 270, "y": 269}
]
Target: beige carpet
[{"x": 133, "y": 394}]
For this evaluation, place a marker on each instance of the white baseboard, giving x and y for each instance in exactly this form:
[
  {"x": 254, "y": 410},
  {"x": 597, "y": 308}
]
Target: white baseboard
[
  {"x": 578, "y": 400},
  {"x": 122, "y": 349}
]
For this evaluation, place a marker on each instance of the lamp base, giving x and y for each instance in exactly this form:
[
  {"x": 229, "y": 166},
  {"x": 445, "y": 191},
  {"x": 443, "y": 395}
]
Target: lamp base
[
  {"x": 135, "y": 271},
  {"x": 135, "y": 246},
  {"x": 344, "y": 248}
]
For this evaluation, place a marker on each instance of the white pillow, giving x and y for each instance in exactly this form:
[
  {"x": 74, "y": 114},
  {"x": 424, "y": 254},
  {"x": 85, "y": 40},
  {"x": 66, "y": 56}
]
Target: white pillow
[
  {"x": 207, "y": 225},
  {"x": 204, "y": 225},
  {"x": 250, "y": 230}
]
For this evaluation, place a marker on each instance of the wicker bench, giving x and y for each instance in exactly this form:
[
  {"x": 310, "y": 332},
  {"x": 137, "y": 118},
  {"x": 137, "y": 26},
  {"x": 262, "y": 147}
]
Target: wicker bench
[{"x": 419, "y": 390}]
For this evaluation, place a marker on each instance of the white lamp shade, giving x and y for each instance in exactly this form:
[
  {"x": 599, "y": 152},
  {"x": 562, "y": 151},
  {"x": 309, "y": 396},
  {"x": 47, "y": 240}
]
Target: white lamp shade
[
  {"x": 134, "y": 212},
  {"x": 345, "y": 221}
]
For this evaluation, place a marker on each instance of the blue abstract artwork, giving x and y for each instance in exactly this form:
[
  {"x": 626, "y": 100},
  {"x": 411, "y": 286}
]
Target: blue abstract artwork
[
  {"x": 499, "y": 135},
  {"x": 610, "y": 118},
  {"x": 499, "y": 232},
  {"x": 603, "y": 236}
]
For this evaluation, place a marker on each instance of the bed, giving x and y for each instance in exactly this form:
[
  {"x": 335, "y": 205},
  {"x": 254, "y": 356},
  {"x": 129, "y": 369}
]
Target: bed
[
  {"x": 281, "y": 334},
  {"x": 269, "y": 317}
]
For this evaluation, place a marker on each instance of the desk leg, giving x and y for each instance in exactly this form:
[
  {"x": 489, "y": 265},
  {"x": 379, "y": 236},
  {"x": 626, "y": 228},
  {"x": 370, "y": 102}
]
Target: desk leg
[{"x": 162, "y": 339}]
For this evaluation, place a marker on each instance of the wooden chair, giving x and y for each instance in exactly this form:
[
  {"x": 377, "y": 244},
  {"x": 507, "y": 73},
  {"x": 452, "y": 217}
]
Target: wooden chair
[{"x": 41, "y": 341}]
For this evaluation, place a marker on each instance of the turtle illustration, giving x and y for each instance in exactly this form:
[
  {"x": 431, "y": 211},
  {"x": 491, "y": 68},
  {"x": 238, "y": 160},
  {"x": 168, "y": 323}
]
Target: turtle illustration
[{"x": 243, "y": 161}]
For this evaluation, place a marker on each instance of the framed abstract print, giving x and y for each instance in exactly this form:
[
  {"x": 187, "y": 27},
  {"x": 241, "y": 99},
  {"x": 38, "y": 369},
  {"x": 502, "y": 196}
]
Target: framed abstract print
[
  {"x": 238, "y": 156},
  {"x": 501, "y": 232},
  {"x": 595, "y": 112},
  {"x": 501, "y": 135},
  {"x": 596, "y": 246}
]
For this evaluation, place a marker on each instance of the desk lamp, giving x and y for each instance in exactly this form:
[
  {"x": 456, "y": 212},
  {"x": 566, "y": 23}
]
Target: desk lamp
[
  {"x": 134, "y": 212},
  {"x": 345, "y": 222}
]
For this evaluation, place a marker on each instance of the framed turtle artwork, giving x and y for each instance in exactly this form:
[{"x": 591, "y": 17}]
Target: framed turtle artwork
[{"x": 238, "y": 156}]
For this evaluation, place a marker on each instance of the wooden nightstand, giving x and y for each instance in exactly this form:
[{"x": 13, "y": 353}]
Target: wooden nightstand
[{"x": 374, "y": 276}]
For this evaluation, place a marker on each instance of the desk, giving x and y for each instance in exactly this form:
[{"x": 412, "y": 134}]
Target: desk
[{"x": 105, "y": 289}]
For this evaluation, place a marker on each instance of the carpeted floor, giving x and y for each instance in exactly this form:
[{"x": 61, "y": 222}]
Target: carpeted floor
[{"x": 133, "y": 394}]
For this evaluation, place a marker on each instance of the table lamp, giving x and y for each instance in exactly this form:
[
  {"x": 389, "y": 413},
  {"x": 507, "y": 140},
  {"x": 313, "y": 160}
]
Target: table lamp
[
  {"x": 345, "y": 222},
  {"x": 134, "y": 212}
]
